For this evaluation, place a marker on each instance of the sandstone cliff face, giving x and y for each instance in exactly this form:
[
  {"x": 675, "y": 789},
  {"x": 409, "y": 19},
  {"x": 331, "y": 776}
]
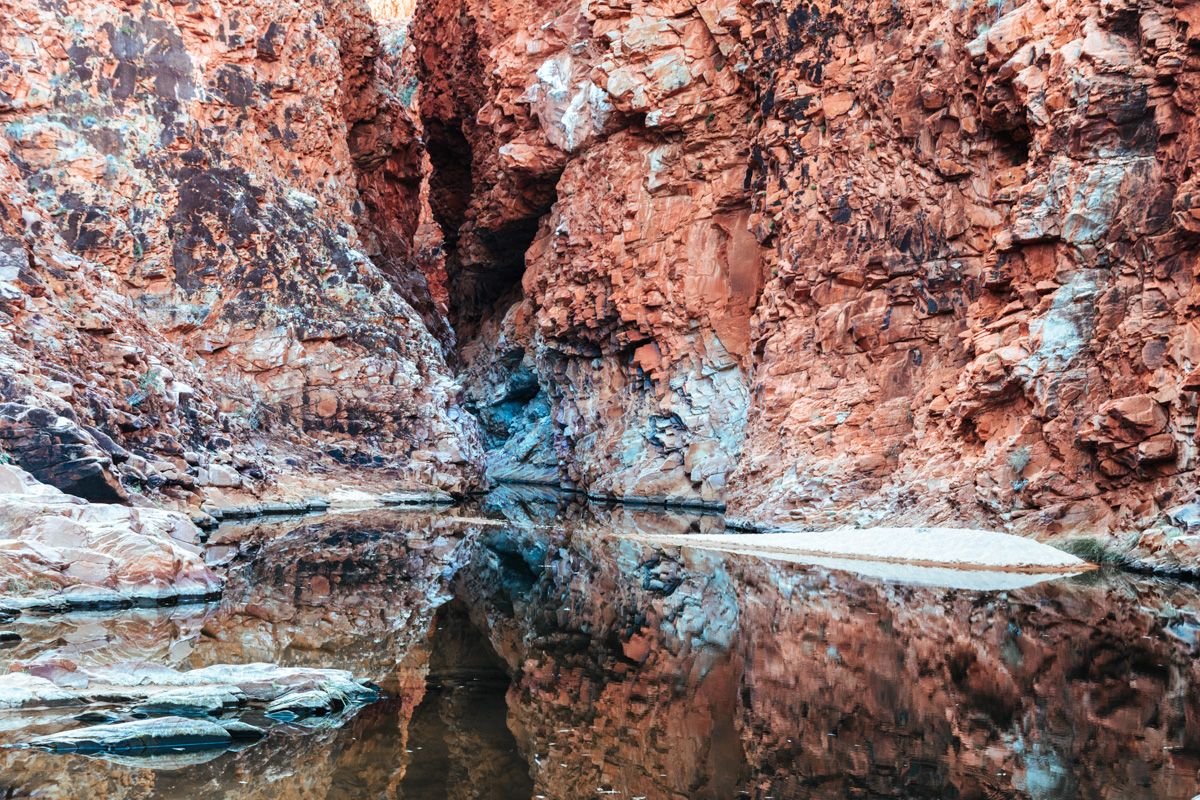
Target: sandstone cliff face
[
  {"x": 984, "y": 262},
  {"x": 897, "y": 261},
  {"x": 205, "y": 249}
]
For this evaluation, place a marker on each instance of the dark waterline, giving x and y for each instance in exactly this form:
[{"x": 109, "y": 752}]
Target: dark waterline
[{"x": 547, "y": 656}]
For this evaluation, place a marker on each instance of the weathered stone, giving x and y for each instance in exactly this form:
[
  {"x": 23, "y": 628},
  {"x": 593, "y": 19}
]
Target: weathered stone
[
  {"x": 191, "y": 701},
  {"x": 821, "y": 263},
  {"x": 220, "y": 476},
  {"x": 210, "y": 240},
  {"x": 1186, "y": 516},
  {"x": 820, "y": 281},
  {"x": 141, "y": 737},
  {"x": 61, "y": 551}
]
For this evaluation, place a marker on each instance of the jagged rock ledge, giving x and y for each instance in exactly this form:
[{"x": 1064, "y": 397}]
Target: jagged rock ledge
[{"x": 60, "y": 552}]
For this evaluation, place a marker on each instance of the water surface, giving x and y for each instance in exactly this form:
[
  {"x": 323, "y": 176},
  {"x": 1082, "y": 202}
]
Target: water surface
[{"x": 528, "y": 650}]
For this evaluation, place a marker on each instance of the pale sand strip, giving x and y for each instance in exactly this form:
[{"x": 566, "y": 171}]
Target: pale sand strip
[{"x": 953, "y": 548}]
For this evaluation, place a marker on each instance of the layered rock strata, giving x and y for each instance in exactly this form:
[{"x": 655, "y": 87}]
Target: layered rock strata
[
  {"x": 823, "y": 263},
  {"x": 206, "y": 261},
  {"x": 58, "y": 551}
]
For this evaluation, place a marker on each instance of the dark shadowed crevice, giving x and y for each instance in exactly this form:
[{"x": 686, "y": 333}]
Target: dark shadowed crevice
[
  {"x": 484, "y": 265},
  {"x": 479, "y": 290},
  {"x": 450, "y": 180},
  {"x": 489, "y": 216}
]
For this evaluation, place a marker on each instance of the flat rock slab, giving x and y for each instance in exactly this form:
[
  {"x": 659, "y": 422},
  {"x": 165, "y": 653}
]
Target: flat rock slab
[
  {"x": 141, "y": 737},
  {"x": 948, "y": 548},
  {"x": 161, "y": 691},
  {"x": 58, "y": 551},
  {"x": 308, "y": 703},
  {"x": 192, "y": 701}
]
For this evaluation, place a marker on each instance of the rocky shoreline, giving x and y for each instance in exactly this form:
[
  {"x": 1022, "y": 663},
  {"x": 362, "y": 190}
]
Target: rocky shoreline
[{"x": 76, "y": 555}]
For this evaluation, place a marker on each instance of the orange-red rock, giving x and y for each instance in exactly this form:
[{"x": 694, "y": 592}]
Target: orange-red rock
[
  {"x": 206, "y": 242},
  {"x": 834, "y": 263},
  {"x": 899, "y": 262}
]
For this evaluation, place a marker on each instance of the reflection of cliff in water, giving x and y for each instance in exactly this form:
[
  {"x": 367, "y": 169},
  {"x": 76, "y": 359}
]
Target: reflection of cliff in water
[
  {"x": 543, "y": 654},
  {"x": 657, "y": 672},
  {"x": 461, "y": 743}
]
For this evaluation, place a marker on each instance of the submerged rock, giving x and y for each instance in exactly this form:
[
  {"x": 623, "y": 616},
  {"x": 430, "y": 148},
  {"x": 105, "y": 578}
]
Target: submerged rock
[
  {"x": 94, "y": 717},
  {"x": 310, "y": 703}
]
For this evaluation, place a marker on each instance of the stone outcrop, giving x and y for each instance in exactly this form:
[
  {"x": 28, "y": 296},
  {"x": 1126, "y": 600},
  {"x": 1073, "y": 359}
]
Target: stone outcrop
[
  {"x": 825, "y": 263},
  {"x": 158, "y": 691},
  {"x": 206, "y": 250},
  {"x": 980, "y": 308},
  {"x": 58, "y": 551}
]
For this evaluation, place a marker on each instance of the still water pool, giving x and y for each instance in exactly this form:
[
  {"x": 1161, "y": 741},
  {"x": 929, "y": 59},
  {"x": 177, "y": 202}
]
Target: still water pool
[{"x": 526, "y": 649}]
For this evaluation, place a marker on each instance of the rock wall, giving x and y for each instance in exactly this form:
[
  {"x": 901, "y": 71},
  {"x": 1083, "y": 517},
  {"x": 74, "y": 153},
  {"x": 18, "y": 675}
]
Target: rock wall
[
  {"x": 985, "y": 256},
  {"x": 828, "y": 263},
  {"x": 888, "y": 262},
  {"x": 589, "y": 169},
  {"x": 206, "y": 256}
]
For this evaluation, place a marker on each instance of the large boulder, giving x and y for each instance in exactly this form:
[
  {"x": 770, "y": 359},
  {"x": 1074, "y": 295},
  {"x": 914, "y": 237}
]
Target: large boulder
[{"x": 57, "y": 550}]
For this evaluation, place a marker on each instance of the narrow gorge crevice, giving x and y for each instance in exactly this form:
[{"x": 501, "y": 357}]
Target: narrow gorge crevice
[
  {"x": 488, "y": 220},
  {"x": 601, "y": 268}
]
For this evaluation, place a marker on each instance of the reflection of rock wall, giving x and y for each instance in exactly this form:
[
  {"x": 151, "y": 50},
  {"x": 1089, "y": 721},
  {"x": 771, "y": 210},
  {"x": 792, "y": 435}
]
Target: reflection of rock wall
[
  {"x": 358, "y": 588},
  {"x": 204, "y": 236},
  {"x": 901, "y": 261},
  {"x": 357, "y": 591},
  {"x": 463, "y": 748},
  {"x": 657, "y": 673}
]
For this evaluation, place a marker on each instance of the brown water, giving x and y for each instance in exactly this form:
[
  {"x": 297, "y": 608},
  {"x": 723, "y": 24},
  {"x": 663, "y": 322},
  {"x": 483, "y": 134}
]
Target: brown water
[{"x": 544, "y": 656}]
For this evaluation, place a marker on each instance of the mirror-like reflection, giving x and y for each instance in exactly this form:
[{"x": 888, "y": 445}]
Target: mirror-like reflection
[{"x": 528, "y": 649}]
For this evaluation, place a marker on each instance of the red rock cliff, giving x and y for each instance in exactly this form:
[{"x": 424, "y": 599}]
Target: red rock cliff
[
  {"x": 899, "y": 261},
  {"x": 819, "y": 262},
  {"x": 205, "y": 249}
]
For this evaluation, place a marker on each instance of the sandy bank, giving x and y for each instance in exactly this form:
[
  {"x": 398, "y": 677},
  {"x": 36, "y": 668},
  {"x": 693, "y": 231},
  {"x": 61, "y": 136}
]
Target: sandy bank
[{"x": 962, "y": 549}]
